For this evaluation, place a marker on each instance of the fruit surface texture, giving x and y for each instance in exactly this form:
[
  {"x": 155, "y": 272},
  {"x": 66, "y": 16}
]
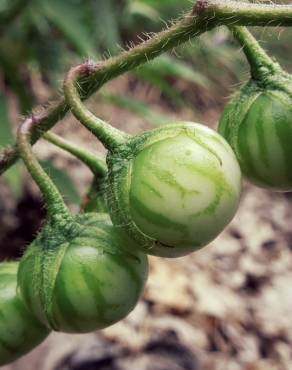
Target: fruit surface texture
[{"x": 176, "y": 190}]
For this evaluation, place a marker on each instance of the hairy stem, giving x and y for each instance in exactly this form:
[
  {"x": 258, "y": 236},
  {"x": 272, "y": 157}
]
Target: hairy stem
[
  {"x": 54, "y": 200},
  {"x": 108, "y": 135},
  {"x": 94, "y": 201},
  {"x": 96, "y": 165},
  {"x": 258, "y": 59},
  {"x": 245, "y": 13},
  {"x": 100, "y": 73},
  {"x": 205, "y": 16}
]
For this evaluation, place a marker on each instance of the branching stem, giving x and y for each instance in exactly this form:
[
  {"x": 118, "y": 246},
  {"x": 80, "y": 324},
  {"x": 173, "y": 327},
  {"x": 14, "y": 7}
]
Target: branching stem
[
  {"x": 206, "y": 15},
  {"x": 108, "y": 135}
]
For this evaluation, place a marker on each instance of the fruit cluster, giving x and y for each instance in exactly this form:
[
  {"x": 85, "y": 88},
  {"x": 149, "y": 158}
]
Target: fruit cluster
[{"x": 166, "y": 192}]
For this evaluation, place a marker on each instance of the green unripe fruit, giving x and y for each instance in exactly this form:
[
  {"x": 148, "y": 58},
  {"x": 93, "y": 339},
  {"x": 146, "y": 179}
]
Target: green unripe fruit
[
  {"x": 258, "y": 126},
  {"x": 173, "y": 189},
  {"x": 20, "y": 331},
  {"x": 78, "y": 279}
]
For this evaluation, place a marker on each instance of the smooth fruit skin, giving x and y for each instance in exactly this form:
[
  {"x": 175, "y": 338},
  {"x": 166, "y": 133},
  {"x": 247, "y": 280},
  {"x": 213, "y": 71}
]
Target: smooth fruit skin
[
  {"x": 174, "y": 189},
  {"x": 84, "y": 282},
  {"x": 20, "y": 331},
  {"x": 258, "y": 126}
]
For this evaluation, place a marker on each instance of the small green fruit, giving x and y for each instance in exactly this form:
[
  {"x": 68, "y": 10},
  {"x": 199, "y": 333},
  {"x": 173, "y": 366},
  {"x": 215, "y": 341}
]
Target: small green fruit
[
  {"x": 173, "y": 189},
  {"x": 80, "y": 280},
  {"x": 20, "y": 331},
  {"x": 258, "y": 126}
]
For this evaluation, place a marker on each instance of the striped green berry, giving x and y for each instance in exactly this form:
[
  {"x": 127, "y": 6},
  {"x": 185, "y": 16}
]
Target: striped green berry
[
  {"x": 258, "y": 125},
  {"x": 174, "y": 189},
  {"x": 20, "y": 331},
  {"x": 80, "y": 279}
]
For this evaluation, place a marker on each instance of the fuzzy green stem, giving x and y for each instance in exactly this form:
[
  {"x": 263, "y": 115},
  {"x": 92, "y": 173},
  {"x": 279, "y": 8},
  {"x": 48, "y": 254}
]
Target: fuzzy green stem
[
  {"x": 245, "y": 13},
  {"x": 259, "y": 61},
  {"x": 94, "y": 200},
  {"x": 96, "y": 165},
  {"x": 107, "y": 134},
  {"x": 55, "y": 204},
  {"x": 205, "y": 16},
  {"x": 100, "y": 73}
]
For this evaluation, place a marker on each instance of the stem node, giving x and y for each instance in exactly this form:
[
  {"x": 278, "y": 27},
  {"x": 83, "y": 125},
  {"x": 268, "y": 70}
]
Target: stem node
[{"x": 200, "y": 7}]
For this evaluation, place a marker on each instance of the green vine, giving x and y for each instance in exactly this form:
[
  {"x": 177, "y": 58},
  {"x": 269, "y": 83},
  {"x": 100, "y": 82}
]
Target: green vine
[{"x": 204, "y": 16}]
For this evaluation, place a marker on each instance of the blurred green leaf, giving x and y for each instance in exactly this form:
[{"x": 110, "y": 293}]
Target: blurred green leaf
[
  {"x": 166, "y": 8},
  {"x": 11, "y": 71},
  {"x": 165, "y": 87},
  {"x": 137, "y": 107},
  {"x": 66, "y": 16},
  {"x": 137, "y": 8},
  {"x": 63, "y": 182},
  {"x": 13, "y": 175},
  {"x": 166, "y": 65},
  {"x": 159, "y": 70},
  {"x": 6, "y": 135},
  {"x": 14, "y": 179},
  {"x": 9, "y": 13},
  {"x": 107, "y": 25}
]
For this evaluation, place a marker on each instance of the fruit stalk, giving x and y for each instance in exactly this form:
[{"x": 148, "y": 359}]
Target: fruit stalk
[
  {"x": 95, "y": 197},
  {"x": 108, "y": 135},
  {"x": 259, "y": 61},
  {"x": 56, "y": 206},
  {"x": 95, "y": 164}
]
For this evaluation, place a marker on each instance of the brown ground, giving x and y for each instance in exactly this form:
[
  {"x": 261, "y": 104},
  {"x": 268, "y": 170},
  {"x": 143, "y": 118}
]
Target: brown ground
[{"x": 226, "y": 307}]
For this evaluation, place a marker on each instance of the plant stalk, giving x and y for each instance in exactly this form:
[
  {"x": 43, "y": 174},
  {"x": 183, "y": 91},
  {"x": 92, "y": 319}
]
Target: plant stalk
[
  {"x": 55, "y": 204},
  {"x": 95, "y": 164},
  {"x": 205, "y": 16},
  {"x": 259, "y": 61}
]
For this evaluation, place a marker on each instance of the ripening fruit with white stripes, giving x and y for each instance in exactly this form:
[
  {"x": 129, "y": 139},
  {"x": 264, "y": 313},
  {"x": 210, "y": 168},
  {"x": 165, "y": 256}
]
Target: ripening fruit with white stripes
[
  {"x": 257, "y": 122},
  {"x": 81, "y": 280},
  {"x": 173, "y": 189},
  {"x": 258, "y": 125},
  {"x": 20, "y": 331}
]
